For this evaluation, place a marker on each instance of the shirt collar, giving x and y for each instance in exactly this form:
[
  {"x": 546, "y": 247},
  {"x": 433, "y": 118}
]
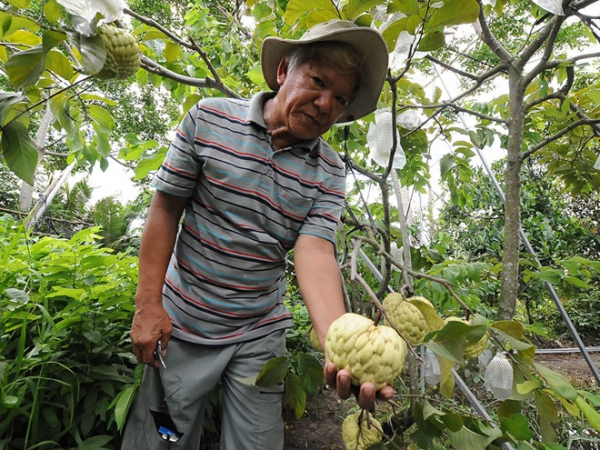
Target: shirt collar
[{"x": 255, "y": 115}]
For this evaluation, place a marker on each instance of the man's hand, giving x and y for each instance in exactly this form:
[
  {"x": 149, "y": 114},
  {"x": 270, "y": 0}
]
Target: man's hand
[
  {"x": 365, "y": 395},
  {"x": 150, "y": 323}
]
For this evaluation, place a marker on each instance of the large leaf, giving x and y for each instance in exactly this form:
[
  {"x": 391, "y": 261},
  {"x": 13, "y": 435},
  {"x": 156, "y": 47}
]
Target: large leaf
[
  {"x": 547, "y": 415},
  {"x": 468, "y": 439},
  {"x": 93, "y": 52},
  {"x": 273, "y": 372},
  {"x": 357, "y": 7},
  {"x": 19, "y": 151},
  {"x": 557, "y": 382},
  {"x": 592, "y": 416},
  {"x": 9, "y": 24},
  {"x": 454, "y": 12},
  {"x": 295, "y": 395},
  {"x": 296, "y": 9},
  {"x": 25, "y": 68}
]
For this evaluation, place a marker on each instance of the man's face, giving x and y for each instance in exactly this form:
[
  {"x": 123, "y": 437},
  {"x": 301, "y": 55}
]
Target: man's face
[{"x": 313, "y": 96}]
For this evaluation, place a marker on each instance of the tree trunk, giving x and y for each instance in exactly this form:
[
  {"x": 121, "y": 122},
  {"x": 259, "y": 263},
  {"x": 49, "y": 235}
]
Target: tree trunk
[{"x": 512, "y": 189}]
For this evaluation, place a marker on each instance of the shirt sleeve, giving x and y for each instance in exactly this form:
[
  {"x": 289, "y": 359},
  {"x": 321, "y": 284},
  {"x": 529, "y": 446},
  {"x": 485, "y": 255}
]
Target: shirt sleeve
[{"x": 179, "y": 172}]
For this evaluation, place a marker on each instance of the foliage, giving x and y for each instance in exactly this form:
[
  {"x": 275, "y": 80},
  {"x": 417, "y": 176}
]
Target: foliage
[{"x": 64, "y": 351}]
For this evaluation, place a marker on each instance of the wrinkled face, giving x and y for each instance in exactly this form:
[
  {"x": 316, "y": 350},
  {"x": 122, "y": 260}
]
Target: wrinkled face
[{"x": 313, "y": 95}]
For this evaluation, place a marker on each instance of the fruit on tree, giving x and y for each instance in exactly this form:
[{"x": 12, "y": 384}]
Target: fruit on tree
[
  {"x": 122, "y": 53},
  {"x": 406, "y": 317},
  {"x": 359, "y": 432},
  {"x": 369, "y": 352},
  {"x": 475, "y": 349}
]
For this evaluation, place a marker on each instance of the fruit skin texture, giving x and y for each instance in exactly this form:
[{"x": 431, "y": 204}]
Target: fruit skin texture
[
  {"x": 122, "y": 53},
  {"x": 472, "y": 350},
  {"x": 406, "y": 317},
  {"x": 370, "y": 353},
  {"x": 360, "y": 436}
]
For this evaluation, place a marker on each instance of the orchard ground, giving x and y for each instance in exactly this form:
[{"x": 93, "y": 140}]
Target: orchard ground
[{"x": 320, "y": 428}]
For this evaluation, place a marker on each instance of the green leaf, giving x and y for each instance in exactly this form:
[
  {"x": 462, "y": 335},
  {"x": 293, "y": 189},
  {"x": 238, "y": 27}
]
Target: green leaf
[
  {"x": 432, "y": 41},
  {"x": 295, "y": 395},
  {"x": 26, "y": 67},
  {"x": 468, "y": 439},
  {"x": 433, "y": 319},
  {"x": 454, "y": 12},
  {"x": 123, "y": 403},
  {"x": 21, "y": 4},
  {"x": 9, "y": 24},
  {"x": 310, "y": 371},
  {"x": 297, "y": 8},
  {"x": 273, "y": 372},
  {"x": 52, "y": 11},
  {"x": 577, "y": 282},
  {"x": 592, "y": 416},
  {"x": 96, "y": 442},
  {"x": 557, "y": 382},
  {"x": 518, "y": 426},
  {"x": 58, "y": 63},
  {"x": 357, "y": 7},
  {"x": 408, "y": 7},
  {"x": 93, "y": 52},
  {"x": 261, "y": 10},
  {"x": 593, "y": 398},
  {"x": 19, "y": 151},
  {"x": 509, "y": 327},
  {"x": 547, "y": 415}
]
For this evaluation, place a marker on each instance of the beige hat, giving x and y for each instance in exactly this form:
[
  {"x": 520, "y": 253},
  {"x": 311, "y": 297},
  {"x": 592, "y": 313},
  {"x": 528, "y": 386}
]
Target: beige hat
[{"x": 367, "y": 41}]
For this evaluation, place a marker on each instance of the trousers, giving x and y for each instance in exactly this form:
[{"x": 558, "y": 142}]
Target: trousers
[{"x": 175, "y": 398}]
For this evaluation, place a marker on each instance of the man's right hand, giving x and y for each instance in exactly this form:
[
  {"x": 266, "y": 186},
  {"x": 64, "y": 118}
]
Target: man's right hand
[{"x": 150, "y": 323}]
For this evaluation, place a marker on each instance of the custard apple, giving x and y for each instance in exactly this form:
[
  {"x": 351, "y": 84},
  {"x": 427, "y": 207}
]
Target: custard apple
[
  {"x": 360, "y": 434},
  {"x": 406, "y": 317},
  {"x": 122, "y": 53},
  {"x": 475, "y": 349},
  {"x": 370, "y": 353},
  {"x": 314, "y": 340}
]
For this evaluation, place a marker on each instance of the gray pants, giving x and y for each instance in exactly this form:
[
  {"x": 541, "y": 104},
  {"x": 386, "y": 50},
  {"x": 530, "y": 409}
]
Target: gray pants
[{"x": 251, "y": 414}]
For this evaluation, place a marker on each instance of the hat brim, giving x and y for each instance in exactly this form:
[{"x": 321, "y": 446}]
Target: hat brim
[{"x": 369, "y": 44}]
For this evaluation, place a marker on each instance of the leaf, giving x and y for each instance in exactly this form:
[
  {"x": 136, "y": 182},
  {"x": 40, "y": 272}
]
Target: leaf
[
  {"x": 408, "y": 7},
  {"x": 58, "y": 63},
  {"x": 432, "y": 41},
  {"x": 557, "y": 382},
  {"x": 96, "y": 442},
  {"x": 433, "y": 319},
  {"x": 123, "y": 403},
  {"x": 454, "y": 12},
  {"x": 26, "y": 67},
  {"x": 509, "y": 327},
  {"x": 357, "y": 7},
  {"x": 468, "y": 439},
  {"x": 295, "y": 395},
  {"x": 297, "y": 8},
  {"x": 9, "y": 24},
  {"x": 593, "y": 398},
  {"x": 518, "y": 426},
  {"x": 273, "y": 372},
  {"x": 21, "y": 4},
  {"x": 446, "y": 377},
  {"x": 547, "y": 414},
  {"x": 19, "y": 151},
  {"x": 310, "y": 371},
  {"x": 592, "y": 416},
  {"x": 93, "y": 52}
]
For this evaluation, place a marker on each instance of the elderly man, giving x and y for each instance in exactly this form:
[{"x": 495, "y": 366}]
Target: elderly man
[{"x": 253, "y": 180}]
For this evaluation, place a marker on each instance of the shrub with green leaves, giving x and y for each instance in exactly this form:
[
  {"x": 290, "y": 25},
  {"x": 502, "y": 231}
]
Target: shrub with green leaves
[{"x": 65, "y": 360}]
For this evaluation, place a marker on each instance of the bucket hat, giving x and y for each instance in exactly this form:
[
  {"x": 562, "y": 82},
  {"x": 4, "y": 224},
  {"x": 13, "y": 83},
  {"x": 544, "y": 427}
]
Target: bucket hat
[{"x": 368, "y": 43}]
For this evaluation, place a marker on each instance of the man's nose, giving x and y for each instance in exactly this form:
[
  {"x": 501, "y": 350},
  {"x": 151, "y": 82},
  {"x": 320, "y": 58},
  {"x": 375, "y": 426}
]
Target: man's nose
[{"x": 325, "y": 101}]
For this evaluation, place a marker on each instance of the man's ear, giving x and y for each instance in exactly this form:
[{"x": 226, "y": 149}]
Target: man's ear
[{"x": 282, "y": 71}]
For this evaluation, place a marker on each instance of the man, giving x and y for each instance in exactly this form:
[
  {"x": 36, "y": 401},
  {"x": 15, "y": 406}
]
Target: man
[{"x": 254, "y": 180}]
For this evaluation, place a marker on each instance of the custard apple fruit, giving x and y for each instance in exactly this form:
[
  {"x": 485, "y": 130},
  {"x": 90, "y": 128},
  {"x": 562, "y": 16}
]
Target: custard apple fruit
[
  {"x": 359, "y": 434},
  {"x": 314, "y": 340},
  {"x": 369, "y": 352},
  {"x": 475, "y": 349},
  {"x": 406, "y": 317},
  {"x": 122, "y": 53}
]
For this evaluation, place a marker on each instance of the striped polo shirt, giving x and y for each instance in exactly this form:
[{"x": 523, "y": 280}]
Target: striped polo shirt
[{"x": 247, "y": 205}]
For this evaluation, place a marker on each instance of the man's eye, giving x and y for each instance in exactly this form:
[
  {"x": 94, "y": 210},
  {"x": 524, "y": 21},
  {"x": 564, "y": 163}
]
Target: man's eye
[
  {"x": 342, "y": 101},
  {"x": 318, "y": 82}
]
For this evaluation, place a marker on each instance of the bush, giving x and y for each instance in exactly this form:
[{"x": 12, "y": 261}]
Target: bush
[{"x": 64, "y": 352}]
